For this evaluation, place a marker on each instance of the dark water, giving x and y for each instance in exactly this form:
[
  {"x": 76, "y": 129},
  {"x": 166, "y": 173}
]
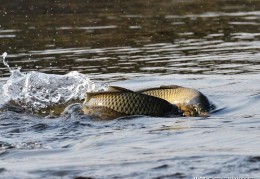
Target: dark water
[{"x": 213, "y": 46}]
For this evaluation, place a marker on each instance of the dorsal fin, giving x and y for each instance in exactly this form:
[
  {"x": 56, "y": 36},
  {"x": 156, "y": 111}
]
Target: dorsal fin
[
  {"x": 111, "y": 89},
  {"x": 169, "y": 86},
  {"x": 161, "y": 87},
  {"x": 118, "y": 89}
]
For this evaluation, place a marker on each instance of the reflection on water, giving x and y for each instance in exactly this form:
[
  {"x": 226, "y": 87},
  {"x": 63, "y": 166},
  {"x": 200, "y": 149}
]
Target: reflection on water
[
  {"x": 212, "y": 46},
  {"x": 185, "y": 37}
]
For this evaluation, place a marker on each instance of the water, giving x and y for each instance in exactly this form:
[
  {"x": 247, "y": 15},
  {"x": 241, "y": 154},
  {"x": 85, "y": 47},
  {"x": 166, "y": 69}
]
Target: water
[{"x": 212, "y": 46}]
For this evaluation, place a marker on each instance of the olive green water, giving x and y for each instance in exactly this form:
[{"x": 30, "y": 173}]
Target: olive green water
[{"x": 213, "y": 46}]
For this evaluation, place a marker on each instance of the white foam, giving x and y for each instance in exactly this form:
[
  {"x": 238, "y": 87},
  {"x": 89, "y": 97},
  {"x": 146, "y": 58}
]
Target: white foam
[{"x": 36, "y": 90}]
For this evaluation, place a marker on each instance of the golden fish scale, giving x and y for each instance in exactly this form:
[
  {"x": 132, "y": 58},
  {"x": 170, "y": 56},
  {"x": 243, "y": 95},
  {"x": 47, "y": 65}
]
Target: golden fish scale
[
  {"x": 131, "y": 103},
  {"x": 177, "y": 95}
]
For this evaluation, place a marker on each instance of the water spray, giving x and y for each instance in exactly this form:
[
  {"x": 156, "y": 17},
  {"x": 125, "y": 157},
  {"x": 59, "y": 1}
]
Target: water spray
[{"x": 4, "y": 55}]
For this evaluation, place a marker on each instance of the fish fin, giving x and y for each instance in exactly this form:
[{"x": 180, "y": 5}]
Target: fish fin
[
  {"x": 161, "y": 87},
  {"x": 147, "y": 89},
  {"x": 169, "y": 86},
  {"x": 118, "y": 89},
  {"x": 111, "y": 89}
]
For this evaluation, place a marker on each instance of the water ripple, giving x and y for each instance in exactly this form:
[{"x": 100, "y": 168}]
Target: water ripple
[{"x": 212, "y": 46}]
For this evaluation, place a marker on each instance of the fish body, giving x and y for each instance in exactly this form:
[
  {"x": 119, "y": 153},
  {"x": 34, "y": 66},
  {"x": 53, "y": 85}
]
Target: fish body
[
  {"x": 184, "y": 98},
  {"x": 119, "y": 102}
]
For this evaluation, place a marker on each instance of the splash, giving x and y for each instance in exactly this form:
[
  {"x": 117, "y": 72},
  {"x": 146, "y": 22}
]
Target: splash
[
  {"x": 35, "y": 90},
  {"x": 4, "y": 55}
]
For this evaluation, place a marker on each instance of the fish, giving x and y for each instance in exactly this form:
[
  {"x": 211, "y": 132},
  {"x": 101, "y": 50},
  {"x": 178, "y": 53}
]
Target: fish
[
  {"x": 118, "y": 102},
  {"x": 190, "y": 101}
]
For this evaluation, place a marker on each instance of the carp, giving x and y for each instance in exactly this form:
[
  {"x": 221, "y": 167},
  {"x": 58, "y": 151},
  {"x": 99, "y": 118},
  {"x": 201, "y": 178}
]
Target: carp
[
  {"x": 118, "y": 102},
  {"x": 191, "y": 101}
]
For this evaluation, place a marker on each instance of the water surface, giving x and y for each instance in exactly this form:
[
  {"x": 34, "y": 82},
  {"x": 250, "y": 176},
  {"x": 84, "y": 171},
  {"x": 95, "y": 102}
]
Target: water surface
[{"x": 212, "y": 46}]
